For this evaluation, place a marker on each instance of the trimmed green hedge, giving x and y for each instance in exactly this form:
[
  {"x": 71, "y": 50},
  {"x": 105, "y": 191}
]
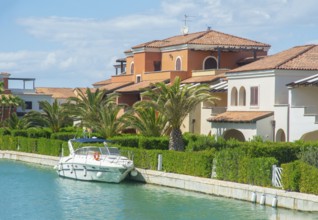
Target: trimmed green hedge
[
  {"x": 236, "y": 166},
  {"x": 137, "y": 141},
  {"x": 300, "y": 177},
  {"x": 189, "y": 163}
]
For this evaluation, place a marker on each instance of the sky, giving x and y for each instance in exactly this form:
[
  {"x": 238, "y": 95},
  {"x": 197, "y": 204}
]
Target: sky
[{"x": 75, "y": 43}]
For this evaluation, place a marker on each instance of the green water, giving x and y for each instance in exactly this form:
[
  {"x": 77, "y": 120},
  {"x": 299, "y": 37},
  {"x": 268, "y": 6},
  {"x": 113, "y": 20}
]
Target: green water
[{"x": 36, "y": 192}]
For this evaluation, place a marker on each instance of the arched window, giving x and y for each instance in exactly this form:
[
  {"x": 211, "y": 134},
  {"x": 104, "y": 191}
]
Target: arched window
[
  {"x": 234, "y": 96},
  {"x": 242, "y": 96},
  {"x": 132, "y": 68},
  {"x": 209, "y": 63},
  {"x": 178, "y": 63}
]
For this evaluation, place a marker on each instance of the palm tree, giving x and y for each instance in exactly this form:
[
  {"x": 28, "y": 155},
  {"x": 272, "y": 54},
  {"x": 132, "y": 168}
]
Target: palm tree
[
  {"x": 86, "y": 106},
  {"x": 54, "y": 116},
  {"x": 14, "y": 122},
  {"x": 4, "y": 101},
  {"x": 109, "y": 122},
  {"x": 175, "y": 102},
  {"x": 146, "y": 121}
]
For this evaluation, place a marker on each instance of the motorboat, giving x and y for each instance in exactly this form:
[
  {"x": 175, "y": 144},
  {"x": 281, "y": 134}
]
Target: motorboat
[{"x": 94, "y": 163}]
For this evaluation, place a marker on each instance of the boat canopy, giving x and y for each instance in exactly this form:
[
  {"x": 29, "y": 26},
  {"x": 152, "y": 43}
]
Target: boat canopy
[{"x": 90, "y": 140}]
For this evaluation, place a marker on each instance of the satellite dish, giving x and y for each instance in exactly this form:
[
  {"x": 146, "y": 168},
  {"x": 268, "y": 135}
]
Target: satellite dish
[{"x": 184, "y": 30}]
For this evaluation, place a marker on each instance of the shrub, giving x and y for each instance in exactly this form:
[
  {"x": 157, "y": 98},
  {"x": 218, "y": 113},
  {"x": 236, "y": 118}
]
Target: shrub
[
  {"x": 126, "y": 140},
  {"x": 300, "y": 177},
  {"x": 4, "y": 131},
  {"x": 227, "y": 163},
  {"x": 160, "y": 143},
  {"x": 310, "y": 156},
  {"x": 189, "y": 163},
  {"x": 256, "y": 171},
  {"x": 63, "y": 135},
  {"x": 21, "y": 133},
  {"x": 38, "y": 132}
]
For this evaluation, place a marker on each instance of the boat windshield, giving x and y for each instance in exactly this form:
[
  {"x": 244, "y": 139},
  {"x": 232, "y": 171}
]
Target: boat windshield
[{"x": 101, "y": 150}]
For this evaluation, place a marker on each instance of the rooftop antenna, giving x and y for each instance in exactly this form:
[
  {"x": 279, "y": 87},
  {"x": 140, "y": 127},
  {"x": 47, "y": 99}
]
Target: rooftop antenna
[{"x": 185, "y": 28}]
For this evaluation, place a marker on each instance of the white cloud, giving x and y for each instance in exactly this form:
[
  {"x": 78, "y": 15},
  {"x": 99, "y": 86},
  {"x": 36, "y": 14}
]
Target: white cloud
[{"x": 87, "y": 48}]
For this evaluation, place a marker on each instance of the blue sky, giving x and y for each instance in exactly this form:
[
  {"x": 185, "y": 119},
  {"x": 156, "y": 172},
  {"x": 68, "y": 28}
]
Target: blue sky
[{"x": 74, "y": 43}]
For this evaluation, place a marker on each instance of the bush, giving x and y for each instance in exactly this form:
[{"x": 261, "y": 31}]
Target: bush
[
  {"x": 126, "y": 140},
  {"x": 291, "y": 176},
  {"x": 308, "y": 179},
  {"x": 189, "y": 163},
  {"x": 160, "y": 143},
  {"x": 310, "y": 156},
  {"x": 21, "y": 133},
  {"x": 4, "y": 131},
  {"x": 227, "y": 163},
  {"x": 256, "y": 171},
  {"x": 38, "y": 133},
  {"x": 65, "y": 136},
  {"x": 299, "y": 176}
]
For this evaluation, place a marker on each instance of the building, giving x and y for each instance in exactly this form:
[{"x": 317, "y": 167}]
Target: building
[
  {"x": 200, "y": 57},
  {"x": 271, "y": 98}
]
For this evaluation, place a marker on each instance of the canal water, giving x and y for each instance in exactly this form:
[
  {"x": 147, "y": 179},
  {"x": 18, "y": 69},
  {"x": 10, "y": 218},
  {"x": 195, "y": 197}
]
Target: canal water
[{"x": 29, "y": 191}]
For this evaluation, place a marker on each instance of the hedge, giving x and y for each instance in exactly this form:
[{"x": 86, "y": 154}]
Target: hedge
[
  {"x": 137, "y": 141},
  {"x": 189, "y": 163},
  {"x": 300, "y": 177},
  {"x": 236, "y": 166}
]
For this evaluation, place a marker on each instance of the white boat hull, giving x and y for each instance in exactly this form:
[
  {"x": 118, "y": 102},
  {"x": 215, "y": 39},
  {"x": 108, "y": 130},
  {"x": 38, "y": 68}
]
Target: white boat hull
[{"x": 93, "y": 170}]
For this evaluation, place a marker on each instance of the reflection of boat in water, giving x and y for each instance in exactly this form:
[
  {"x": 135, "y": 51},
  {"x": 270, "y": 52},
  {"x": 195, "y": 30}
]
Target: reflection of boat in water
[{"x": 93, "y": 163}]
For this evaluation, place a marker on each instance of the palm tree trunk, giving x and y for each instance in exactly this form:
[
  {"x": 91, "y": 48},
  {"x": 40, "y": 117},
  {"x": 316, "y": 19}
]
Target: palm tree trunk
[{"x": 176, "y": 140}]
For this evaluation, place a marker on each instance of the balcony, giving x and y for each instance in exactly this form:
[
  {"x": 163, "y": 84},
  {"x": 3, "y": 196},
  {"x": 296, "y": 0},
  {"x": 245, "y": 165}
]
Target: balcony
[
  {"x": 208, "y": 72},
  {"x": 123, "y": 78},
  {"x": 162, "y": 75}
]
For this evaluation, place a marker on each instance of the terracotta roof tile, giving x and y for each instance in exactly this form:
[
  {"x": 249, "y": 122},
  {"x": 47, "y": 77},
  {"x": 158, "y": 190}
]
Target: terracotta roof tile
[
  {"x": 114, "y": 86},
  {"x": 138, "y": 86},
  {"x": 203, "y": 79},
  {"x": 296, "y": 58},
  {"x": 240, "y": 116},
  {"x": 212, "y": 38},
  {"x": 103, "y": 82},
  {"x": 57, "y": 93}
]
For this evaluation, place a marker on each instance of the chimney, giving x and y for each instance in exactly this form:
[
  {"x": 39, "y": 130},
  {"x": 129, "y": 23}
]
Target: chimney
[{"x": 5, "y": 78}]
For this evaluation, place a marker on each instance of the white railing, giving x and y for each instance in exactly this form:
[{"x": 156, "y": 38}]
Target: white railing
[{"x": 277, "y": 176}]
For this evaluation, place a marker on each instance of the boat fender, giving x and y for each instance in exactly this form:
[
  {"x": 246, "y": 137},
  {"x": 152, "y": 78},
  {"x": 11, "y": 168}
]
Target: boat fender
[
  {"x": 133, "y": 173},
  {"x": 97, "y": 156},
  {"x": 262, "y": 201},
  {"x": 254, "y": 197},
  {"x": 99, "y": 174}
]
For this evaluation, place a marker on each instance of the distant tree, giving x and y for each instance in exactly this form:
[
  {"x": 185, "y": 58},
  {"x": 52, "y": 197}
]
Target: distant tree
[
  {"x": 175, "y": 102},
  {"x": 146, "y": 121},
  {"x": 52, "y": 115}
]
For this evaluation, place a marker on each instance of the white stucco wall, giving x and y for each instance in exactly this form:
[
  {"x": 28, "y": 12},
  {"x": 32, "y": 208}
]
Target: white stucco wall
[
  {"x": 281, "y": 119},
  {"x": 283, "y": 77},
  {"x": 264, "y": 128},
  {"x": 265, "y": 82},
  {"x": 34, "y": 98},
  {"x": 248, "y": 129}
]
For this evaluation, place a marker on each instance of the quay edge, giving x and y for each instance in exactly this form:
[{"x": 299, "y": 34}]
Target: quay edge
[{"x": 285, "y": 199}]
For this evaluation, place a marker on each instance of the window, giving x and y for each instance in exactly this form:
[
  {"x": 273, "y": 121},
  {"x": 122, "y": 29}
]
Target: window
[
  {"x": 242, "y": 97},
  {"x": 254, "y": 96},
  {"x": 157, "y": 65},
  {"x": 138, "y": 78},
  {"x": 132, "y": 68},
  {"x": 209, "y": 63},
  {"x": 178, "y": 63},
  {"x": 28, "y": 105},
  {"x": 234, "y": 96}
]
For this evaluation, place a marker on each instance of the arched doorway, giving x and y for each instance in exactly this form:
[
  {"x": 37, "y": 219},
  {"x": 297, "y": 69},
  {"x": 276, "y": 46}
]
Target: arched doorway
[
  {"x": 280, "y": 136},
  {"x": 310, "y": 136},
  {"x": 233, "y": 133}
]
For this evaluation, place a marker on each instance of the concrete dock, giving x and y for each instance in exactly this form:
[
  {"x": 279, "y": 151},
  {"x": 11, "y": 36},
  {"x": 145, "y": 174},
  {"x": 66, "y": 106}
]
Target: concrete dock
[{"x": 257, "y": 194}]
